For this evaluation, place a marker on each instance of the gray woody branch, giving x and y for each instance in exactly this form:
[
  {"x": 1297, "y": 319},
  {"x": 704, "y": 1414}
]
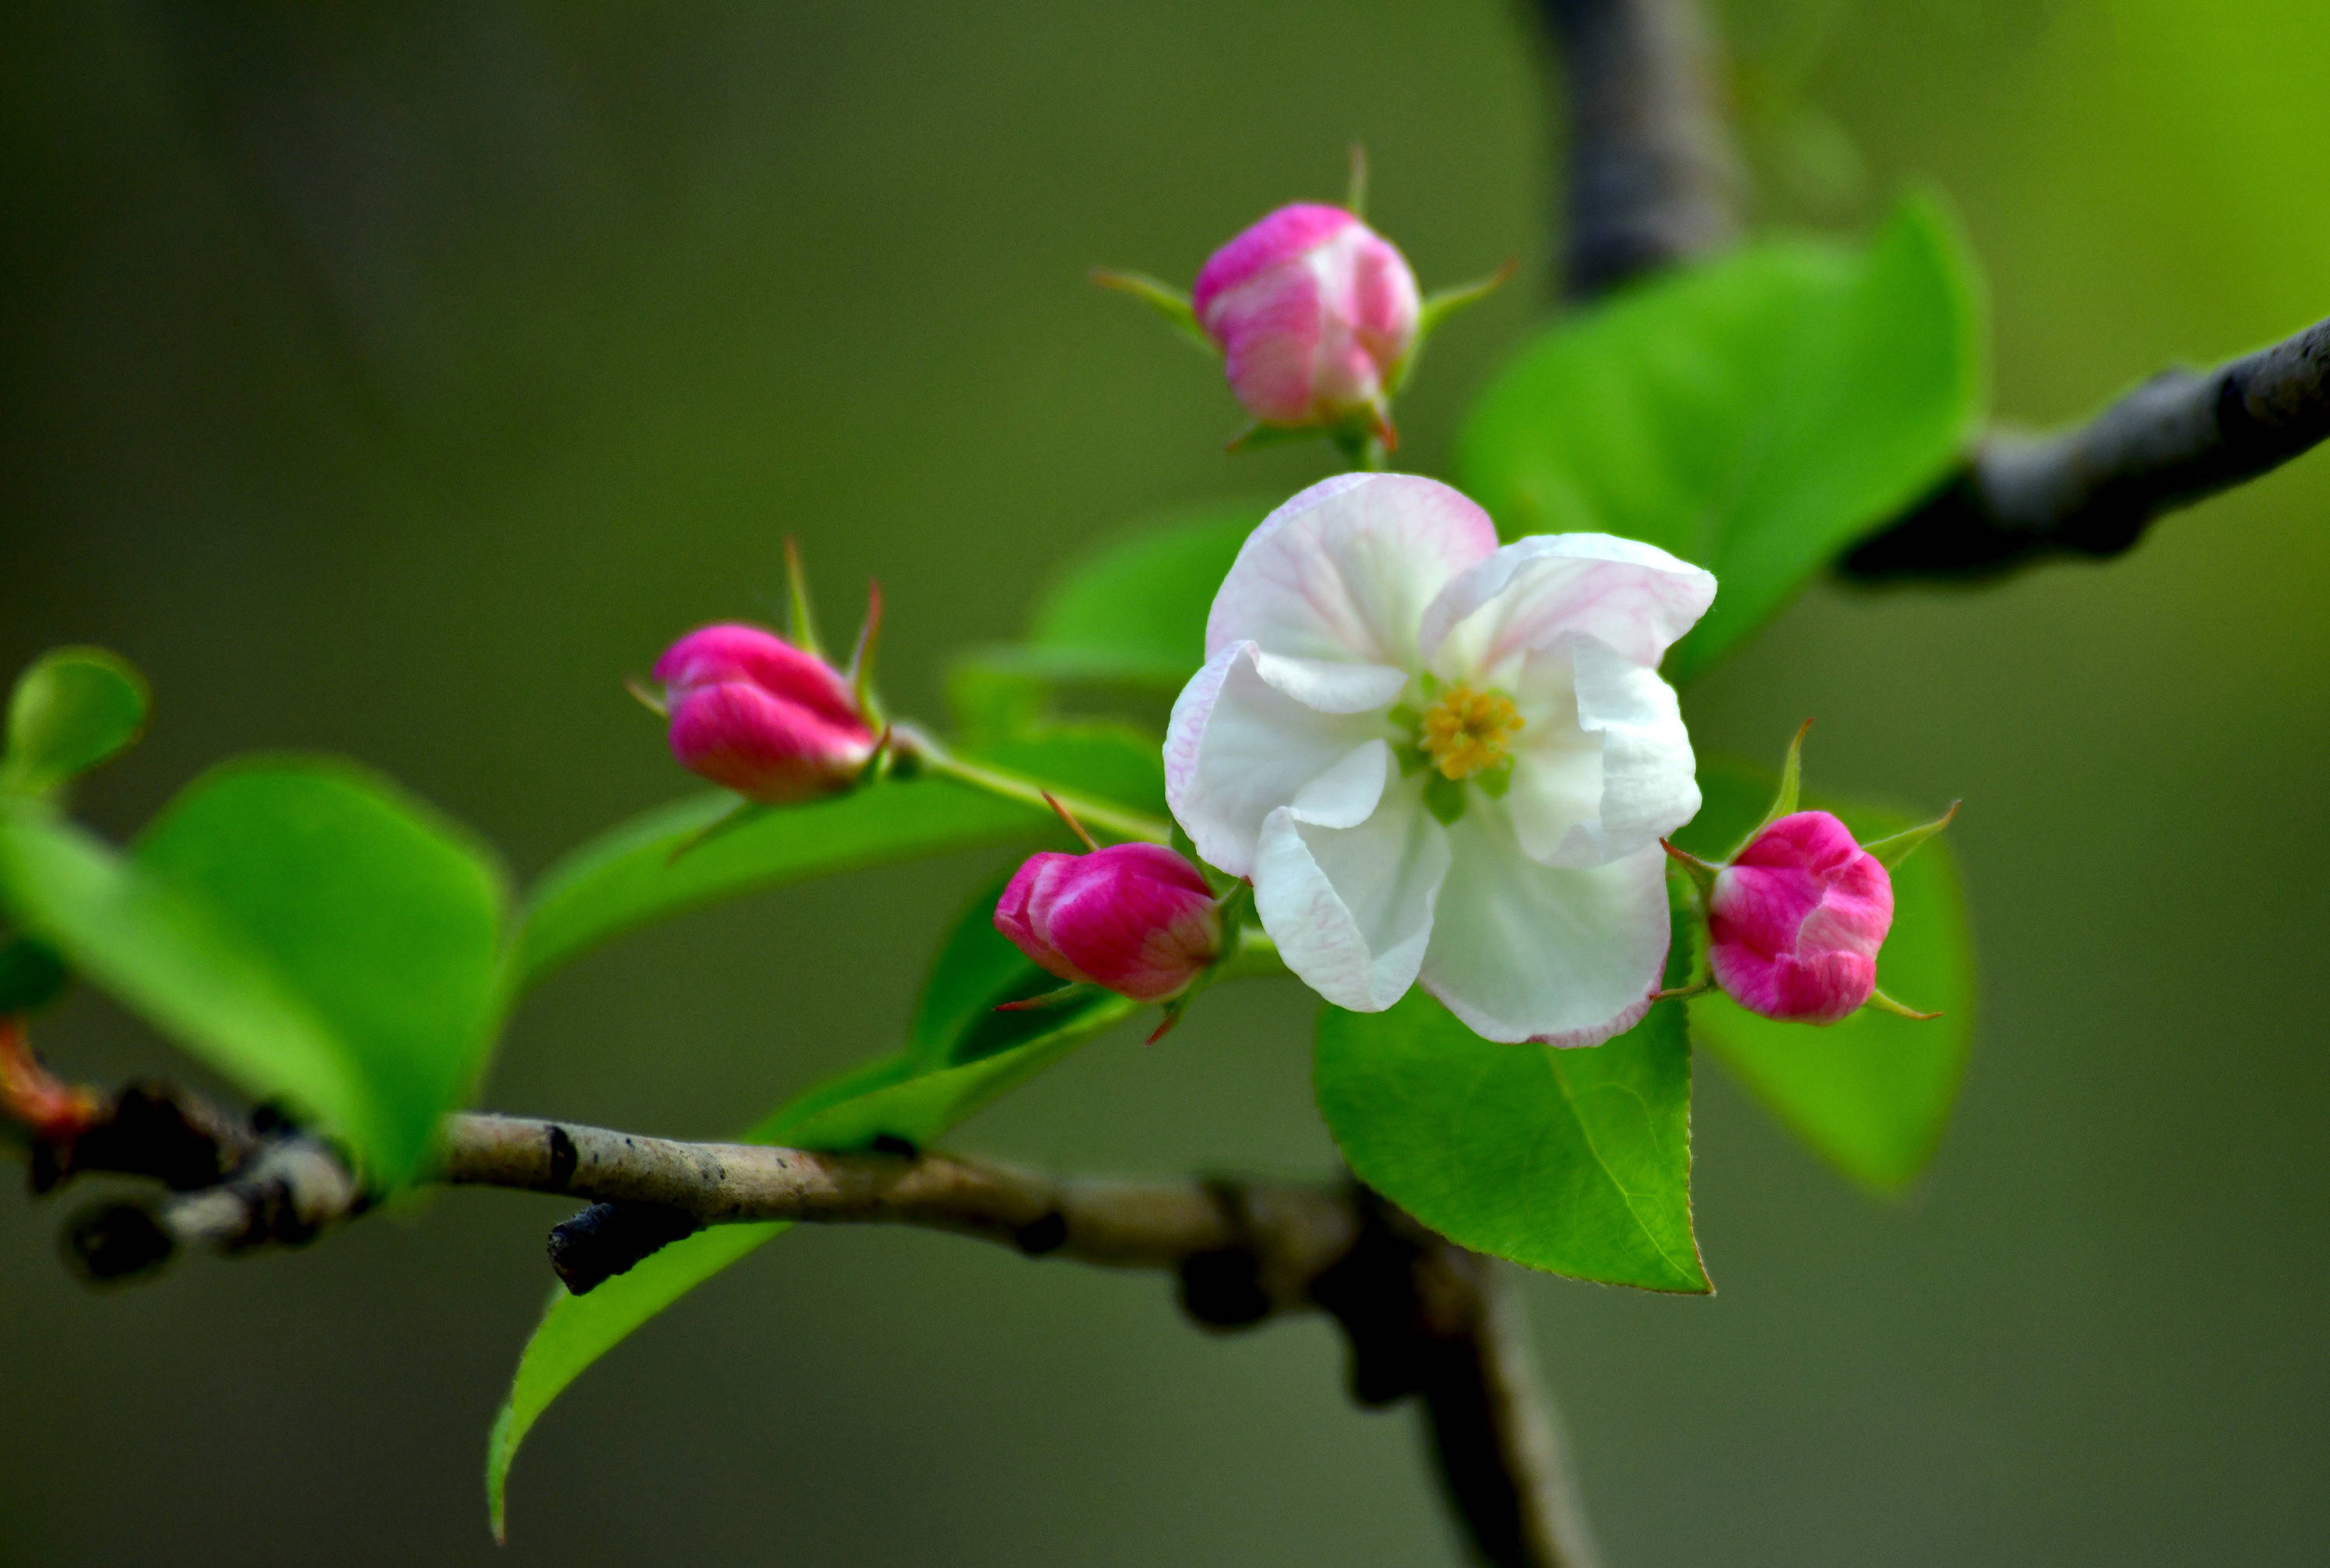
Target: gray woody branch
[
  {"x": 2092, "y": 490},
  {"x": 1423, "y": 1316}
]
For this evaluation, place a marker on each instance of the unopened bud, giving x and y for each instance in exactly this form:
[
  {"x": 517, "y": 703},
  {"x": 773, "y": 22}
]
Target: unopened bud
[
  {"x": 1313, "y": 312},
  {"x": 1796, "y": 919},
  {"x": 1135, "y": 918},
  {"x": 752, "y": 712}
]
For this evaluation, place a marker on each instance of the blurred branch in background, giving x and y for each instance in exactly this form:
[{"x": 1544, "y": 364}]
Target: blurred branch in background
[
  {"x": 1652, "y": 182},
  {"x": 1652, "y": 175},
  {"x": 2093, "y": 489}
]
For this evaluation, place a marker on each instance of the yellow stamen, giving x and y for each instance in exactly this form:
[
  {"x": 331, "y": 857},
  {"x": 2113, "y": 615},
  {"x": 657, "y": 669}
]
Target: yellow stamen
[{"x": 1466, "y": 731}]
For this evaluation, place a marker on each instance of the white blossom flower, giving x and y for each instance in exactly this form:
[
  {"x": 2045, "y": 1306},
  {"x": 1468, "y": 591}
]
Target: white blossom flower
[{"x": 1441, "y": 760}]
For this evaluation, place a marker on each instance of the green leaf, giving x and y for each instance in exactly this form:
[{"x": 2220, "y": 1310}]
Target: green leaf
[
  {"x": 1131, "y": 614},
  {"x": 1757, "y": 414},
  {"x": 955, "y": 1063},
  {"x": 628, "y": 878},
  {"x": 71, "y": 710},
  {"x": 1872, "y": 1093},
  {"x": 1576, "y": 1161},
  {"x": 298, "y": 925},
  {"x": 31, "y": 975}
]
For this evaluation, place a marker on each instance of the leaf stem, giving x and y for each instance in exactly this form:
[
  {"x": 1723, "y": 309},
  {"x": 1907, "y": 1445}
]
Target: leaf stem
[{"x": 1110, "y": 819}]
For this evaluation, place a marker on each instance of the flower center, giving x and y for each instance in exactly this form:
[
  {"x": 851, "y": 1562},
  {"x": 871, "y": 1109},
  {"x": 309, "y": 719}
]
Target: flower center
[{"x": 1464, "y": 732}]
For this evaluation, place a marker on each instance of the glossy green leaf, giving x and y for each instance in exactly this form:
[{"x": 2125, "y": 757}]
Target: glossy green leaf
[
  {"x": 71, "y": 710},
  {"x": 1757, "y": 414},
  {"x": 953, "y": 1065},
  {"x": 298, "y": 925},
  {"x": 1132, "y": 613},
  {"x": 1872, "y": 1093},
  {"x": 629, "y": 877},
  {"x": 1575, "y": 1161}
]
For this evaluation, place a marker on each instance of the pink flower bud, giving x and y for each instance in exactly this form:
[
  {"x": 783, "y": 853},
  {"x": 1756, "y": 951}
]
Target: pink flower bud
[
  {"x": 1136, "y": 918},
  {"x": 1314, "y": 311},
  {"x": 1794, "y": 921},
  {"x": 752, "y": 712}
]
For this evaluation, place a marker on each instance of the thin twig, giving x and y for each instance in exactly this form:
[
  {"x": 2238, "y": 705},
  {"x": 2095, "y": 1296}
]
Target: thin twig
[
  {"x": 2093, "y": 489},
  {"x": 1653, "y": 176}
]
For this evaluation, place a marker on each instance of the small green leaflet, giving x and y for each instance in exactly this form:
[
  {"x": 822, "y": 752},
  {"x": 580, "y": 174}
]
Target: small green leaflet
[
  {"x": 1574, "y": 1161},
  {"x": 1756, "y": 414},
  {"x": 72, "y": 710},
  {"x": 960, "y": 1054},
  {"x": 629, "y": 877},
  {"x": 298, "y": 924},
  {"x": 1872, "y": 1093}
]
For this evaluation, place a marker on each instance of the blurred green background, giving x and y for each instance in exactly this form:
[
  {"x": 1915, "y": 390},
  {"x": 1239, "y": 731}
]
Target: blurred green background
[{"x": 394, "y": 381}]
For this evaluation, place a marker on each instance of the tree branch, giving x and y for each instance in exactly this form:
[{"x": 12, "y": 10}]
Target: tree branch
[
  {"x": 1652, "y": 172},
  {"x": 2092, "y": 490},
  {"x": 1422, "y": 1316}
]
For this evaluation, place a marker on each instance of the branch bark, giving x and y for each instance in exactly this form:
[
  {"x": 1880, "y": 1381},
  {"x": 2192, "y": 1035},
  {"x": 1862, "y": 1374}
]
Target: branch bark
[
  {"x": 2093, "y": 490},
  {"x": 1422, "y": 1316},
  {"x": 1653, "y": 176}
]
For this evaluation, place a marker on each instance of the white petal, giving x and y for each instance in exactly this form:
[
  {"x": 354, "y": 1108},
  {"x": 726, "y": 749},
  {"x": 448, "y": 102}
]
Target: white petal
[
  {"x": 1238, "y": 748},
  {"x": 1635, "y": 597},
  {"x": 1603, "y": 765},
  {"x": 1332, "y": 688},
  {"x": 1342, "y": 573},
  {"x": 1567, "y": 956},
  {"x": 1347, "y": 793},
  {"x": 1351, "y": 908}
]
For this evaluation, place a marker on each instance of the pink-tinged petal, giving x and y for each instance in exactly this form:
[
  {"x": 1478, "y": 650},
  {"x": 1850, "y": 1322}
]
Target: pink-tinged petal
[
  {"x": 1602, "y": 766},
  {"x": 1312, "y": 311},
  {"x": 1384, "y": 303},
  {"x": 1342, "y": 573},
  {"x": 732, "y": 651},
  {"x": 1796, "y": 921},
  {"x": 1635, "y": 597},
  {"x": 1284, "y": 236},
  {"x": 1351, "y": 909},
  {"x": 1564, "y": 956},
  {"x": 769, "y": 749},
  {"x": 1136, "y": 918},
  {"x": 1034, "y": 885},
  {"x": 1238, "y": 748},
  {"x": 1272, "y": 333}
]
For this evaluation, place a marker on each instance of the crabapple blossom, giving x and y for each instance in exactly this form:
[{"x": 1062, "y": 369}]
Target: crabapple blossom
[
  {"x": 1313, "y": 312},
  {"x": 752, "y": 711},
  {"x": 1135, "y": 918},
  {"x": 1445, "y": 761},
  {"x": 1796, "y": 919}
]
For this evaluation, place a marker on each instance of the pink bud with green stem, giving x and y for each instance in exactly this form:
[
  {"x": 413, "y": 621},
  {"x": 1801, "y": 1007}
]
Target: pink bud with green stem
[
  {"x": 1136, "y": 919},
  {"x": 1317, "y": 318},
  {"x": 1796, "y": 915},
  {"x": 767, "y": 716}
]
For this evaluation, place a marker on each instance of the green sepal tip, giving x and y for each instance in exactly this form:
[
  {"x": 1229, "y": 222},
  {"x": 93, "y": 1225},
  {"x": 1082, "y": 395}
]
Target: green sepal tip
[
  {"x": 1162, "y": 297},
  {"x": 1893, "y": 850},
  {"x": 1784, "y": 803}
]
